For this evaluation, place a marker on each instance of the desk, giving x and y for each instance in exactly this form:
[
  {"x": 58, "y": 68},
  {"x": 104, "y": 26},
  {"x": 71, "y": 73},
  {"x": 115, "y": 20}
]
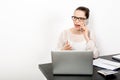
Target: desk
[{"x": 47, "y": 71}]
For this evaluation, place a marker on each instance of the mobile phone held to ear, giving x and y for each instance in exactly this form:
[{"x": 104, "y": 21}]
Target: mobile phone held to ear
[{"x": 86, "y": 23}]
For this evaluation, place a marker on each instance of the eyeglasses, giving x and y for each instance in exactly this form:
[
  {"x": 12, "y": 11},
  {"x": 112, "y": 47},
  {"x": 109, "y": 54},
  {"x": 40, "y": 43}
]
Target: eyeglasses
[{"x": 79, "y": 18}]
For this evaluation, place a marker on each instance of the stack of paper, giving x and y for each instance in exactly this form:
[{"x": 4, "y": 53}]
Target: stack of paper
[{"x": 107, "y": 64}]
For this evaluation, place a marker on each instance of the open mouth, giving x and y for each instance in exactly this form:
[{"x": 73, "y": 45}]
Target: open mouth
[{"x": 77, "y": 25}]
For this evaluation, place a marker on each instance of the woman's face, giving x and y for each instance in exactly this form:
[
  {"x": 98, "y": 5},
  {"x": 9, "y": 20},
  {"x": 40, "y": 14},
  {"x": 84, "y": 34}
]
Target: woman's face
[{"x": 79, "y": 19}]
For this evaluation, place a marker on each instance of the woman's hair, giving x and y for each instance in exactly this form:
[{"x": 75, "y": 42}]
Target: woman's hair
[{"x": 85, "y": 9}]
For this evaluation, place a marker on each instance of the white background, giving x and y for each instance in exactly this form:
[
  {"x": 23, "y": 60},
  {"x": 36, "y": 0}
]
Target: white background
[{"x": 29, "y": 30}]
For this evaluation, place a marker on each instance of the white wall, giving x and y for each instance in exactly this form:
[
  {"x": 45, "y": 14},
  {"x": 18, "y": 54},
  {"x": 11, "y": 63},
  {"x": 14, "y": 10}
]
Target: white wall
[{"x": 29, "y": 30}]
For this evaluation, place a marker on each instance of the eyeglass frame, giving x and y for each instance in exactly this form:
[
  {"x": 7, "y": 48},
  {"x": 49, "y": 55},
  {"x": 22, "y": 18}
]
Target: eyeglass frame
[{"x": 74, "y": 18}]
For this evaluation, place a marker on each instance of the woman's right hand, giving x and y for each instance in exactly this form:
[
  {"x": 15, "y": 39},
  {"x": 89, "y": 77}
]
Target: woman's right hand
[{"x": 67, "y": 46}]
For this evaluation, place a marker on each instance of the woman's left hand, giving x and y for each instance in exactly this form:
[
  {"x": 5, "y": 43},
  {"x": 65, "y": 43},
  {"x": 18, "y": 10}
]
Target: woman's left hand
[{"x": 84, "y": 30}]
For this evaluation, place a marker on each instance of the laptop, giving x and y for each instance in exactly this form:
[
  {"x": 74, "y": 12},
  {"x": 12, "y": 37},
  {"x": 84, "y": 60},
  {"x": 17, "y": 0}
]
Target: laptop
[{"x": 72, "y": 62}]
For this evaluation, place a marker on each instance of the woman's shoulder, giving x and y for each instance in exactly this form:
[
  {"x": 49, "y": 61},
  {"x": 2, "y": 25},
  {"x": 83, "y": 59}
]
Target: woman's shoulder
[{"x": 92, "y": 34}]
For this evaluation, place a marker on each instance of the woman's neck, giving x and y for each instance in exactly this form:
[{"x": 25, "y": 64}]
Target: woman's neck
[{"x": 74, "y": 31}]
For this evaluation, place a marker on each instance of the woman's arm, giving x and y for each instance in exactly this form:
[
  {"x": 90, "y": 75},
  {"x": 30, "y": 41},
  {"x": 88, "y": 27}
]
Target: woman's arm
[
  {"x": 91, "y": 45},
  {"x": 63, "y": 43},
  {"x": 60, "y": 41}
]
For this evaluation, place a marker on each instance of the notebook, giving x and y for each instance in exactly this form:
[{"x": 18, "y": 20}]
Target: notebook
[{"x": 72, "y": 62}]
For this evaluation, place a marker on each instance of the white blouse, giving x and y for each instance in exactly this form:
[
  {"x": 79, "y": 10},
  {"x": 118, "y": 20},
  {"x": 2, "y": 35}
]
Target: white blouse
[{"x": 77, "y": 42}]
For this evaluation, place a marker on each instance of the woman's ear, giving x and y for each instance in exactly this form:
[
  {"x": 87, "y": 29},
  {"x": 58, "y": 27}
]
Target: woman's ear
[{"x": 86, "y": 23}]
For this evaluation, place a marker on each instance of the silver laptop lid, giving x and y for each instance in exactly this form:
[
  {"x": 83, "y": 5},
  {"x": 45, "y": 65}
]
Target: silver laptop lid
[{"x": 72, "y": 62}]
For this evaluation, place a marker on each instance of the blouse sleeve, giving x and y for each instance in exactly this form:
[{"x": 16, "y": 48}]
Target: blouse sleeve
[
  {"x": 62, "y": 39},
  {"x": 91, "y": 45}
]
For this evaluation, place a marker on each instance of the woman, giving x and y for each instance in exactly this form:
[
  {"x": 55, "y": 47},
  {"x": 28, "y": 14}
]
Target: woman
[{"x": 78, "y": 37}]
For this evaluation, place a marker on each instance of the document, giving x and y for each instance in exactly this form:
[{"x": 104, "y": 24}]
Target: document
[{"x": 107, "y": 64}]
